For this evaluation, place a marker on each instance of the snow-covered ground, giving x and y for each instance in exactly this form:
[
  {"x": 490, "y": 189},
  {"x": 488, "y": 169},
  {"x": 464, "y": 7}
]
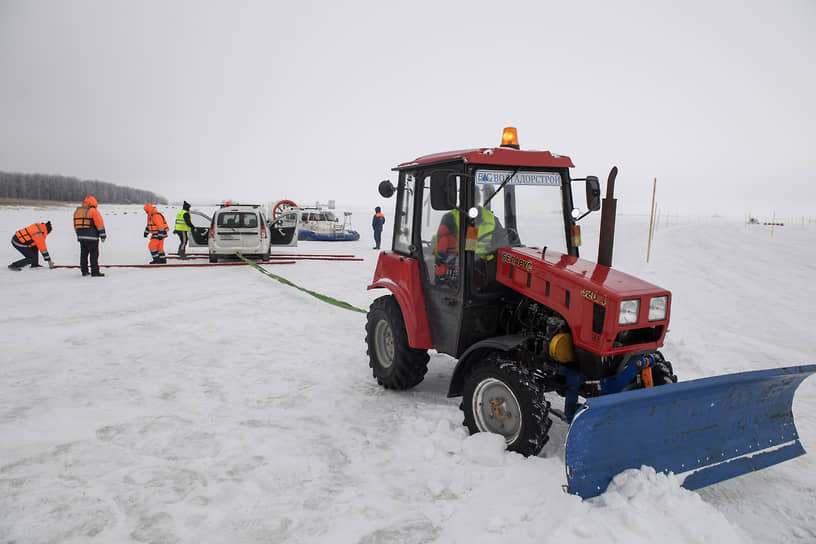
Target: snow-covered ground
[{"x": 218, "y": 405}]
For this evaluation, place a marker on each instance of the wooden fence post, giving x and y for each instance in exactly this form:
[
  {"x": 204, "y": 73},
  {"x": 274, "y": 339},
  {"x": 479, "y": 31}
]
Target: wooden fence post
[{"x": 651, "y": 221}]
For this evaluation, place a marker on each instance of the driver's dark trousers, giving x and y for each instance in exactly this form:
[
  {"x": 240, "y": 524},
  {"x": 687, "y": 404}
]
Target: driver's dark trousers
[{"x": 183, "y": 239}]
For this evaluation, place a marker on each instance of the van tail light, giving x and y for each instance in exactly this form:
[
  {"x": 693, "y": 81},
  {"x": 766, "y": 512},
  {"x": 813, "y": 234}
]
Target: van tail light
[
  {"x": 263, "y": 231},
  {"x": 211, "y": 232}
]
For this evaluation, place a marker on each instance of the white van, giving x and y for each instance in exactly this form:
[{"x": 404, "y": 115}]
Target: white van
[{"x": 238, "y": 228}]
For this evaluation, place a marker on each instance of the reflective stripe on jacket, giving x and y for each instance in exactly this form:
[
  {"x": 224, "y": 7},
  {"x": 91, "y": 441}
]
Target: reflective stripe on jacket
[
  {"x": 156, "y": 224},
  {"x": 88, "y": 224},
  {"x": 485, "y": 223},
  {"x": 34, "y": 236},
  {"x": 181, "y": 223}
]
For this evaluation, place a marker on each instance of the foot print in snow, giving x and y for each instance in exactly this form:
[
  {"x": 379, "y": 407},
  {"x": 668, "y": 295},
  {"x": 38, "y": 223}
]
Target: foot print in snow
[
  {"x": 151, "y": 486},
  {"x": 168, "y": 393},
  {"x": 156, "y": 529},
  {"x": 168, "y": 437},
  {"x": 213, "y": 390},
  {"x": 264, "y": 424},
  {"x": 410, "y": 532},
  {"x": 52, "y": 514},
  {"x": 78, "y": 340},
  {"x": 260, "y": 529}
]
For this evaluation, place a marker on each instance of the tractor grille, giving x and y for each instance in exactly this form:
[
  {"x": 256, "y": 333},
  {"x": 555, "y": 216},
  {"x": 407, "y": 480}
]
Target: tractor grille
[{"x": 644, "y": 335}]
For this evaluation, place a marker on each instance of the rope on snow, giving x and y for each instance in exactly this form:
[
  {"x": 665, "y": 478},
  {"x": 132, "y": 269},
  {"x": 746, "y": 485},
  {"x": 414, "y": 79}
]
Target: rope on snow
[{"x": 324, "y": 298}]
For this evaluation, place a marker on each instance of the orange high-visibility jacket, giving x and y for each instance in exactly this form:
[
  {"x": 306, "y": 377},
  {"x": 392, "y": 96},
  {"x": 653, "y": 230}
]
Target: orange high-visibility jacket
[
  {"x": 156, "y": 224},
  {"x": 34, "y": 235},
  {"x": 88, "y": 222}
]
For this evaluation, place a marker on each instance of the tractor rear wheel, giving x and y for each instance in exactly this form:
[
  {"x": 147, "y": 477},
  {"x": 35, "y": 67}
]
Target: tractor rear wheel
[
  {"x": 394, "y": 363},
  {"x": 502, "y": 396}
]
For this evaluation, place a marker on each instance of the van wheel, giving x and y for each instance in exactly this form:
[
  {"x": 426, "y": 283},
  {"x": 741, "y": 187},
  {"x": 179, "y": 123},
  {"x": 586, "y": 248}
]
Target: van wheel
[
  {"x": 502, "y": 396},
  {"x": 394, "y": 363},
  {"x": 213, "y": 258}
]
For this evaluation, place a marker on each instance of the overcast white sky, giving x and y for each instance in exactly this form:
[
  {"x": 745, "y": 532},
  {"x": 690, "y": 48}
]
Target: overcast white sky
[{"x": 318, "y": 100}]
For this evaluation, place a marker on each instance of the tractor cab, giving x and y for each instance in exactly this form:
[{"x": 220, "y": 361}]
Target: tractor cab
[{"x": 456, "y": 210}]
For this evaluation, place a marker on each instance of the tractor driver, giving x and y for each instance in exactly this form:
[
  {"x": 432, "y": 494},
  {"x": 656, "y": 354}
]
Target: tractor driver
[{"x": 489, "y": 236}]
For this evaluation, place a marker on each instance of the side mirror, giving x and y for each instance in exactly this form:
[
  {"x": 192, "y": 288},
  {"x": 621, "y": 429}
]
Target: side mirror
[
  {"x": 593, "y": 193},
  {"x": 443, "y": 190},
  {"x": 386, "y": 188}
]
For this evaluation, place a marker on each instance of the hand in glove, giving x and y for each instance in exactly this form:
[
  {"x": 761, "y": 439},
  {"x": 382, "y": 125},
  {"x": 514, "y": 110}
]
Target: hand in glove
[
  {"x": 104, "y": 238},
  {"x": 145, "y": 233},
  {"x": 51, "y": 264}
]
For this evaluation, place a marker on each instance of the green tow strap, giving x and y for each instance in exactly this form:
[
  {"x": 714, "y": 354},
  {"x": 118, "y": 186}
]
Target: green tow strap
[{"x": 324, "y": 298}]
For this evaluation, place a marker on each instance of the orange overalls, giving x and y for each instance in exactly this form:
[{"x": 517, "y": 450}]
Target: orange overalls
[{"x": 157, "y": 229}]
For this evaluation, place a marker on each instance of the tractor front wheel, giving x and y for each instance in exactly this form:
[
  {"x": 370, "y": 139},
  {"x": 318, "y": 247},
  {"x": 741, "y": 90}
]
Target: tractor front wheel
[
  {"x": 502, "y": 396},
  {"x": 394, "y": 363},
  {"x": 662, "y": 371}
]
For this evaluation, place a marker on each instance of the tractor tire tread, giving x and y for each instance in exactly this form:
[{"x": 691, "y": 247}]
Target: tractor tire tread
[
  {"x": 531, "y": 395},
  {"x": 410, "y": 365}
]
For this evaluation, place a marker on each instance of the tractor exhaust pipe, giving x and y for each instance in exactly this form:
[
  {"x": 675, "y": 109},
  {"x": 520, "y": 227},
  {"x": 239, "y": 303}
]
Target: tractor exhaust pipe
[{"x": 608, "y": 212}]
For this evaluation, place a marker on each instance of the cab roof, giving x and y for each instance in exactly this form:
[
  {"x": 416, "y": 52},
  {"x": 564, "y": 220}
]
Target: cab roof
[{"x": 494, "y": 156}]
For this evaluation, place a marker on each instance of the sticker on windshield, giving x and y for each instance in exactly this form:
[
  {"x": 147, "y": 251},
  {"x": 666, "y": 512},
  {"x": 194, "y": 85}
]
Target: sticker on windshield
[{"x": 496, "y": 177}]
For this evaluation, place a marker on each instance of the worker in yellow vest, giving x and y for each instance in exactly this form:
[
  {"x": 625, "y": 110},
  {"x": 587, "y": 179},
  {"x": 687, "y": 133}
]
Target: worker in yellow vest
[
  {"x": 446, "y": 250},
  {"x": 183, "y": 228}
]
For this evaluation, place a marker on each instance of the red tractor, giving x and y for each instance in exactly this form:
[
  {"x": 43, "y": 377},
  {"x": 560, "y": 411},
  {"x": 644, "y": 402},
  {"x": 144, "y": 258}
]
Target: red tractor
[{"x": 485, "y": 267}]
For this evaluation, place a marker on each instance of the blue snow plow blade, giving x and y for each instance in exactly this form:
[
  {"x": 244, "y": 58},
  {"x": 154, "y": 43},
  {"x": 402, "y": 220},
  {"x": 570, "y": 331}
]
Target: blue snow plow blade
[{"x": 704, "y": 431}]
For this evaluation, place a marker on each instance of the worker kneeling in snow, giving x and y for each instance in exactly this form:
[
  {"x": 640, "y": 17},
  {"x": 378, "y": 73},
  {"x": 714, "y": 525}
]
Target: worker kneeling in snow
[
  {"x": 28, "y": 241},
  {"x": 157, "y": 229}
]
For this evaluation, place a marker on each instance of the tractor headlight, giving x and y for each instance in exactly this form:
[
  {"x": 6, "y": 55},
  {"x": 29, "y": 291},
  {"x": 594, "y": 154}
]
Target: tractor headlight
[
  {"x": 629, "y": 310},
  {"x": 657, "y": 308}
]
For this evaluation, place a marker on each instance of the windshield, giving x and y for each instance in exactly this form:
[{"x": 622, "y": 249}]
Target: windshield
[
  {"x": 319, "y": 216},
  {"x": 236, "y": 219},
  {"x": 528, "y": 206}
]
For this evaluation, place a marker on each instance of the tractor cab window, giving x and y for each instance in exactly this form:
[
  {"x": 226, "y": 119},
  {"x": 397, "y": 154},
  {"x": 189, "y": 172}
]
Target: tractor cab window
[
  {"x": 440, "y": 240},
  {"x": 529, "y": 206},
  {"x": 404, "y": 220},
  {"x": 489, "y": 234}
]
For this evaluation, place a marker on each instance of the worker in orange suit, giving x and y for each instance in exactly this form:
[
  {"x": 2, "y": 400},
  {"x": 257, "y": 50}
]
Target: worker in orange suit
[
  {"x": 157, "y": 229},
  {"x": 90, "y": 228},
  {"x": 29, "y": 241}
]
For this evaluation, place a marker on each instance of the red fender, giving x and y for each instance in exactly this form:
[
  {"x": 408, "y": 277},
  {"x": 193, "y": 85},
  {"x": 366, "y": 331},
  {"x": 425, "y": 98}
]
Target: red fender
[{"x": 400, "y": 275}]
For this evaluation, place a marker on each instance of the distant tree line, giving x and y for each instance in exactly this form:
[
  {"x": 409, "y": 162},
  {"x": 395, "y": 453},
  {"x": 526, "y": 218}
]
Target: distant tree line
[{"x": 69, "y": 189}]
